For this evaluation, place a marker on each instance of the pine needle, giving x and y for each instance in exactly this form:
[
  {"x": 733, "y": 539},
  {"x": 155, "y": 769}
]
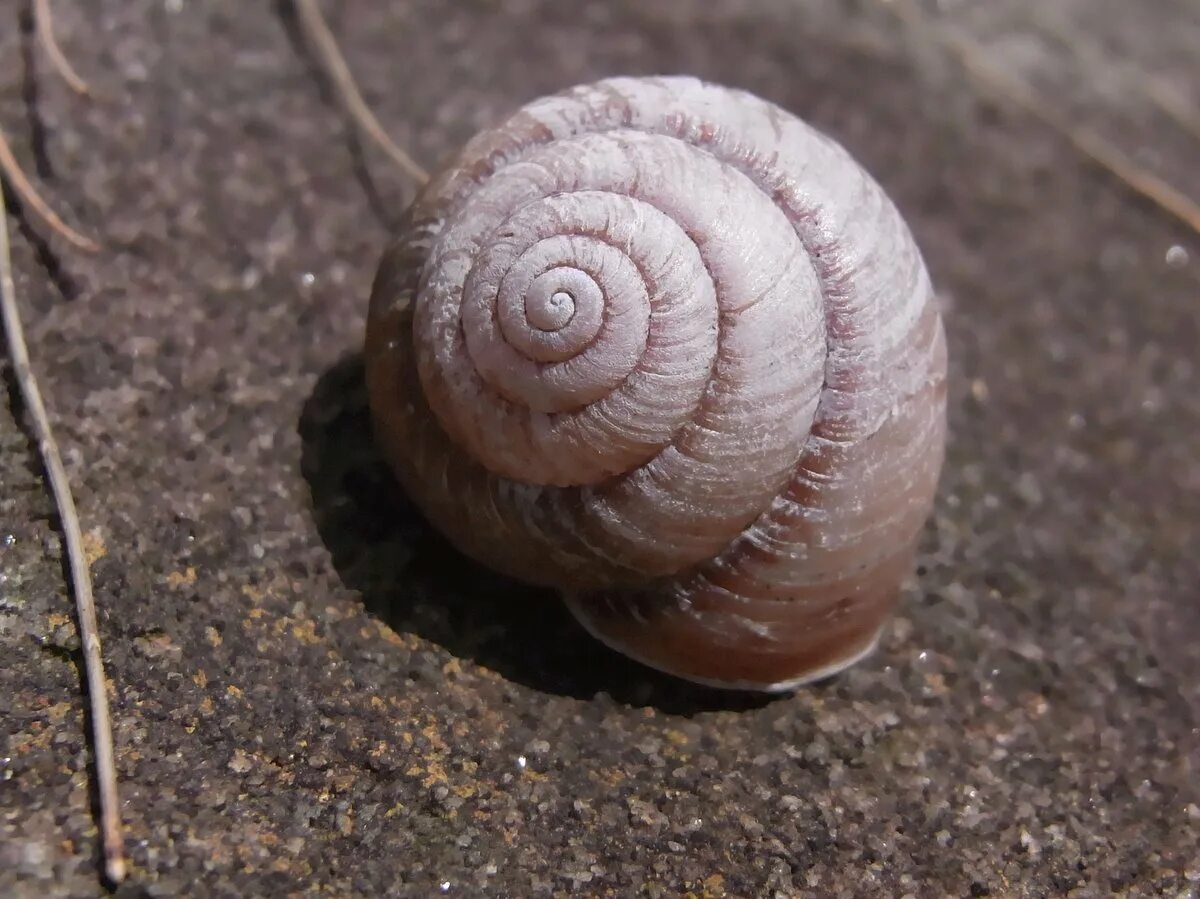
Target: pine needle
[
  {"x": 1086, "y": 141},
  {"x": 26, "y": 191},
  {"x": 80, "y": 577},
  {"x": 325, "y": 45},
  {"x": 1159, "y": 92},
  {"x": 45, "y": 29},
  {"x": 80, "y": 580}
]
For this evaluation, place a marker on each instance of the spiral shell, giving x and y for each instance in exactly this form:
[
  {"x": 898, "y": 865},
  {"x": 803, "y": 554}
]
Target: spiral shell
[{"x": 662, "y": 346}]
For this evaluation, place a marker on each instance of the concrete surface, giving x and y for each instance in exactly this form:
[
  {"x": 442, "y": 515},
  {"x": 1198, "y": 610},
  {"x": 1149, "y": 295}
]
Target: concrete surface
[{"x": 313, "y": 693}]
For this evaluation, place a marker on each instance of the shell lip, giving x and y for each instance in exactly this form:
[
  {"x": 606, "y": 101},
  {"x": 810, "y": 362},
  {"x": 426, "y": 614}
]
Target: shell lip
[{"x": 783, "y": 686}]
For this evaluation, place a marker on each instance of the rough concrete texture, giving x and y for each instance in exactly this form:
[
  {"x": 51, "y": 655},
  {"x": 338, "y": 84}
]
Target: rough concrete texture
[{"x": 313, "y": 693}]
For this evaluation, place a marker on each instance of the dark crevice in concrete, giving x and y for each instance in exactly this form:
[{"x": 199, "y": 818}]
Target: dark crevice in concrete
[
  {"x": 31, "y": 93},
  {"x": 43, "y": 168},
  {"x": 47, "y": 257}
]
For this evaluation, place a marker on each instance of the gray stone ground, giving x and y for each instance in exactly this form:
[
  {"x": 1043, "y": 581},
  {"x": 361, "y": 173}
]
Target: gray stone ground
[{"x": 313, "y": 693}]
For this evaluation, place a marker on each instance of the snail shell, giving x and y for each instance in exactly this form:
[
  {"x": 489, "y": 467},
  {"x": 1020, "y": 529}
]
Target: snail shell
[{"x": 661, "y": 346}]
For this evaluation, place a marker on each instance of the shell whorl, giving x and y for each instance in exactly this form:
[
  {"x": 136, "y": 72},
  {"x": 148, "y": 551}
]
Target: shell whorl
[{"x": 662, "y": 346}]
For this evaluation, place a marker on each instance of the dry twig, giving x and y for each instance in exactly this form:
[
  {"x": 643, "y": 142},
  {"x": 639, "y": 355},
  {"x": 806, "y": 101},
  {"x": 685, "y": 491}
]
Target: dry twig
[{"x": 325, "y": 45}]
